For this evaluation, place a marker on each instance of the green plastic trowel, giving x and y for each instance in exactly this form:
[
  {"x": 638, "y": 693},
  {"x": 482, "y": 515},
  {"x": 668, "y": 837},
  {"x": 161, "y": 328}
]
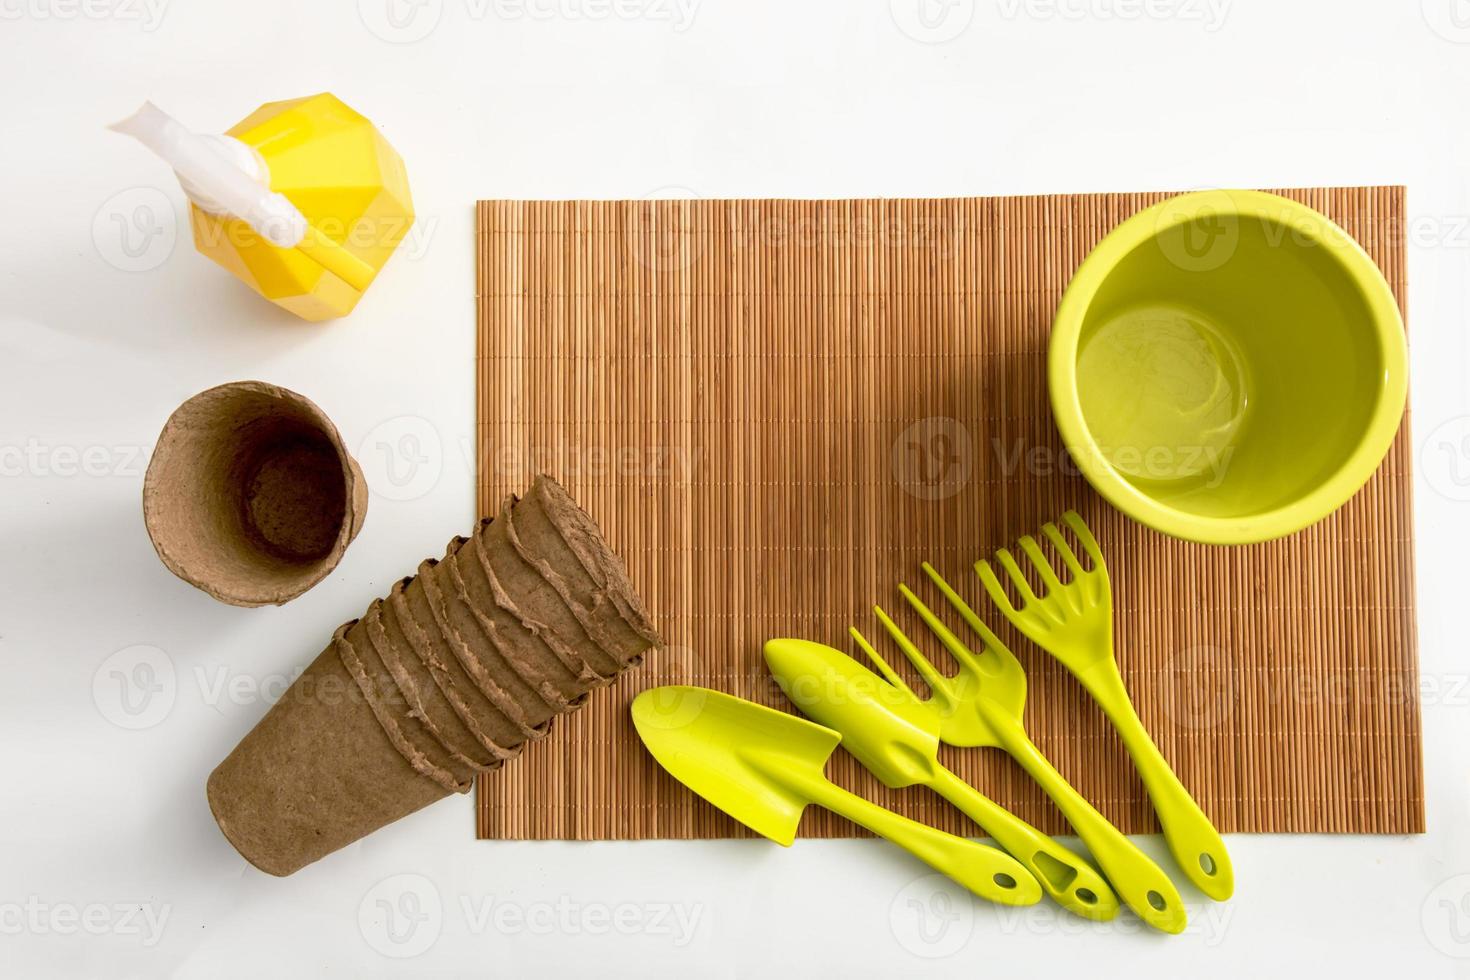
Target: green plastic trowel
[{"x": 763, "y": 767}]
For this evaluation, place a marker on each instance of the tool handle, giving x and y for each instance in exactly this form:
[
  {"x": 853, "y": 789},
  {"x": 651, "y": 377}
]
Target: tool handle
[
  {"x": 1195, "y": 843},
  {"x": 1066, "y": 877},
  {"x": 335, "y": 259},
  {"x": 990, "y": 873},
  {"x": 1137, "y": 880}
]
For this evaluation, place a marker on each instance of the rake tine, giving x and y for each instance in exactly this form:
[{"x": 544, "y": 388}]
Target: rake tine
[
  {"x": 991, "y": 641},
  {"x": 1069, "y": 558},
  {"x": 993, "y": 587},
  {"x": 1042, "y": 565},
  {"x": 1008, "y": 562},
  {"x": 937, "y": 682},
  {"x": 880, "y": 663},
  {"x": 951, "y": 642},
  {"x": 1089, "y": 543}
]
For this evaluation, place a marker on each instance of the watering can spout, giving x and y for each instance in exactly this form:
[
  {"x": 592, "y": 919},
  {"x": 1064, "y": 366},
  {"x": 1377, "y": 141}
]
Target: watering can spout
[{"x": 224, "y": 176}]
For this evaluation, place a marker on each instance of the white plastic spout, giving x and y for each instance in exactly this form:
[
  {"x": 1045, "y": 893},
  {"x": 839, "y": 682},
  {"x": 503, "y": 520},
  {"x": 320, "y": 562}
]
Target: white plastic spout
[{"x": 213, "y": 180}]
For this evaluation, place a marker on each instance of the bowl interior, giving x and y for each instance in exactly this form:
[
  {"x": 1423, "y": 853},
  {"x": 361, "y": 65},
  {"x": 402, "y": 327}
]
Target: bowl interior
[{"x": 1228, "y": 376}]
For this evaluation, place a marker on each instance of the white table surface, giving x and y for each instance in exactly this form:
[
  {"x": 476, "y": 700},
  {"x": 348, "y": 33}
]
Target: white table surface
[{"x": 110, "y": 864}]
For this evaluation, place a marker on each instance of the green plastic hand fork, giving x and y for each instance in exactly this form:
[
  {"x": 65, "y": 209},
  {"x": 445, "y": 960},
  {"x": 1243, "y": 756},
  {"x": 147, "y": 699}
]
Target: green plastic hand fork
[
  {"x": 897, "y": 739},
  {"x": 983, "y": 705},
  {"x": 1073, "y": 621}
]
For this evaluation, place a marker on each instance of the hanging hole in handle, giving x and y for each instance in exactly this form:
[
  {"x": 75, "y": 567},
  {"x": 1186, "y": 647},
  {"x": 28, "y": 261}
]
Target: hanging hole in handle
[
  {"x": 1157, "y": 901},
  {"x": 1004, "y": 880},
  {"x": 1207, "y": 864},
  {"x": 1086, "y": 896}
]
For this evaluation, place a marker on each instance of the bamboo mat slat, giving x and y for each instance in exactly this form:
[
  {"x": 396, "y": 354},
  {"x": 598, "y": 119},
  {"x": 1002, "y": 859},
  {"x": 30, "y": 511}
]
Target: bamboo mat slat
[{"x": 777, "y": 409}]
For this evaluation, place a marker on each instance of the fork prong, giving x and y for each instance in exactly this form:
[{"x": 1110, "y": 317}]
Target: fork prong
[
  {"x": 1041, "y": 563},
  {"x": 1069, "y": 557},
  {"x": 937, "y": 682},
  {"x": 879, "y": 662},
  {"x": 1018, "y": 578},
  {"x": 1084, "y": 535},
  {"x": 957, "y": 602},
  {"x": 992, "y": 585},
  {"x": 951, "y": 642}
]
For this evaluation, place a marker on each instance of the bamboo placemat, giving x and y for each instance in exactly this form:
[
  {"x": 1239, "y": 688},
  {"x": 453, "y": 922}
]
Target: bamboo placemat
[{"x": 777, "y": 409}]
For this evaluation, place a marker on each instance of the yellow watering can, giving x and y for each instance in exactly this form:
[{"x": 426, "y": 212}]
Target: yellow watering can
[{"x": 303, "y": 200}]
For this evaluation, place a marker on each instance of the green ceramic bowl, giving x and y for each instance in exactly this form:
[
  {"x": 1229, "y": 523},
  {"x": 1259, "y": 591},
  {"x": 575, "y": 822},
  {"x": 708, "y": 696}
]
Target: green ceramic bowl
[{"x": 1228, "y": 367}]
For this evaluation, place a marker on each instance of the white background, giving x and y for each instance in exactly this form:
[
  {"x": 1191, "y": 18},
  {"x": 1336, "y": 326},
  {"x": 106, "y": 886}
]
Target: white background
[{"x": 108, "y": 319}]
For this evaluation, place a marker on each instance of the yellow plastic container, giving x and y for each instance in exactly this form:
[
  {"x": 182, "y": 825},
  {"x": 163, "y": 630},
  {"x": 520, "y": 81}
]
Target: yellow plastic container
[
  {"x": 1228, "y": 367},
  {"x": 304, "y": 200}
]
